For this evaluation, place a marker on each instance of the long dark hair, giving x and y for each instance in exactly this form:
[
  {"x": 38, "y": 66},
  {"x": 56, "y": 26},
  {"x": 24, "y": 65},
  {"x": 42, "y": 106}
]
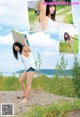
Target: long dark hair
[
  {"x": 47, "y": 12},
  {"x": 68, "y": 36},
  {"x": 16, "y": 52}
]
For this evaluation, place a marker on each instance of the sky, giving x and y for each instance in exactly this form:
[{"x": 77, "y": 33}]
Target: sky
[
  {"x": 13, "y": 15},
  {"x": 46, "y": 44}
]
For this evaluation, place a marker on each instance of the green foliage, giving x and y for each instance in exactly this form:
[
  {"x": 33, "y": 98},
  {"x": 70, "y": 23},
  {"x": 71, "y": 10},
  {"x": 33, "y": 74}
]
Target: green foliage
[
  {"x": 65, "y": 47},
  {"x": 68, "y": 19},
  {"x": 32, "y": 15},
  {"x": 56, "y": 109},
  {"x": 76, "y": 75},
  {"x": 56, "y": 85},
  {"x": 10, "y": 83},
  {"x": 75, "y": 45},
  {"x": 64, "y": 9},
  {"x": 62, "y": 66},
  {"x": 1, "y": 82}
]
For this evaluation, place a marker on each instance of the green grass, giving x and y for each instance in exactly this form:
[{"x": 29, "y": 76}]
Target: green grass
[
  {"x": 61, "y": 86},
  {"x": 9, "y": 83},
  {"x": 56, "y": 109},
  {"x": 64, "y": 10},
  {"x": 76, "y": 46},
  {"x": 1, "y": 82},
  {"x": 65, "y": 47},
  {"x": 58, "y": 7},
  {"x": 68, "y": 16},
  {"x": 32, "y": 16},
  {"x": 68, "y": 19}
]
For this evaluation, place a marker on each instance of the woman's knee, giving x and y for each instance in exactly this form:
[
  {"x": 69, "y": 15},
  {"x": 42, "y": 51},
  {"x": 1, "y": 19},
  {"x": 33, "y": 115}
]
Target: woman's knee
[{"x": 20, "y": 80}]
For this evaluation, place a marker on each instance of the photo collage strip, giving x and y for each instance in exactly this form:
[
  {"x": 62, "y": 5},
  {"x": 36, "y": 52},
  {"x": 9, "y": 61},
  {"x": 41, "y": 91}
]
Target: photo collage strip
[{"x": 55, "y": 17}]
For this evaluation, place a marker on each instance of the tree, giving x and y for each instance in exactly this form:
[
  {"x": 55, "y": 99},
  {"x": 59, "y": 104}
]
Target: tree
[
  {"x": 76, "y": 75},
  {"x": 62, "y": 66},
  {"x": 38, "y": 63}
]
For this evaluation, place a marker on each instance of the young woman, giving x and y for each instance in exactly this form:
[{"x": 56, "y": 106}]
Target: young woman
[
  {"x": 28, "y": 61},
  {"x": 47, "y": 15},
  {"x": 69, "y": 39}
]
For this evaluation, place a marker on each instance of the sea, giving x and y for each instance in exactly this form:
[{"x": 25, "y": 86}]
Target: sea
[{"x": 47, "y": 72}]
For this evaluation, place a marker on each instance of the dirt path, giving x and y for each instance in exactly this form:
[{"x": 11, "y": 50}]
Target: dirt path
[
  {"x": 37, "y": 97},
  {"x": 73, "y": 114}
]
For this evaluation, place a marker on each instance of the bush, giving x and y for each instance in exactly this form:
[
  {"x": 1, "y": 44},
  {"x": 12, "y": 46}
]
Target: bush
[{"x": 76, "y": 75}]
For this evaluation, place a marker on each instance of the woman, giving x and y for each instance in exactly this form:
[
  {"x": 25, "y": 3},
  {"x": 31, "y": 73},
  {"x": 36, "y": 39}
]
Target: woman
[
  {"x": 29, "y": 63},
  {"x": 69, "y": 39},
  {"x": 47, "y": 15}
]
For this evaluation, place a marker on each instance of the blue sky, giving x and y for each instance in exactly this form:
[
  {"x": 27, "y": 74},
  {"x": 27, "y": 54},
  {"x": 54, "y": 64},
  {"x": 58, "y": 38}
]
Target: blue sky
[
  {"x": 13, "y": 15},
  {"x": 47, "y": 44}
]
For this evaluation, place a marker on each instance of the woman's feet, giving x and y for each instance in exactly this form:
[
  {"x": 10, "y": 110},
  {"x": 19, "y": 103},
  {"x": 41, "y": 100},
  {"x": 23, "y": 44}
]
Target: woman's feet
[
  {"x": 24, "y": 100},
  {"x": 20, "y": 97}
]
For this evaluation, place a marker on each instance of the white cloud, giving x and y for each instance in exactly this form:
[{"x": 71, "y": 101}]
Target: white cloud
[
  {"x": 47, "y": 53},
  {"x": 67, "y": 28},
  {"x": 41, "y": 39},
  {"x": 7, "y": 39},
  {"x": 45, "y": 66},
  {"x": 8, "y": 63},
  {"x": 13, "y": 13}
]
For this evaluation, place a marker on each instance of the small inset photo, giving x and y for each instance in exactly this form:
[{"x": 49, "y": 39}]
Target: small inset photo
[{"x": 68, "y": 42}]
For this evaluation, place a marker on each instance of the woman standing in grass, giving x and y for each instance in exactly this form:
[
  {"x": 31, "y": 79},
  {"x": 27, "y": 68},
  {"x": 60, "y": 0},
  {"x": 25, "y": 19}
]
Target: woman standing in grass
[
  {"x": 47, "y": 15},
  {"x": 69, "y": 39},
  {"x": 27, "y": 58}
]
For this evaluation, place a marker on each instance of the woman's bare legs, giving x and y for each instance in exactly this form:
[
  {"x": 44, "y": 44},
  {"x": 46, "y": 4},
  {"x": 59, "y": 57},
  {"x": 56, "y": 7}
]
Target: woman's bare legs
[
  {"x": 29, "y": 79},
  {"x": 21, "y": 80}
]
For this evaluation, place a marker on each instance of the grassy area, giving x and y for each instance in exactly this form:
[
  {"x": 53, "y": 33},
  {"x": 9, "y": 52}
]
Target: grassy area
[
  {"x": 64, "y": 9},
  {"x": 32, "y": 16},
  {"x": 65, "y": 47},
  {"x": 60, "y": 7},
  {"x": 76, "y": 46},
  {"x": 68, "y": 16},
  {"x": 9, "y": 83},
  {"x": 68, "y": 19},
  {"x": 58, "y": 109},
  {"x": 61, "y": 86}
]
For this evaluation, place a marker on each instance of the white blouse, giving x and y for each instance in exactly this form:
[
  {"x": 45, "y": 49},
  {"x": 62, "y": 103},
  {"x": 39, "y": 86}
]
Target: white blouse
[{"x": 28, "y": 61}]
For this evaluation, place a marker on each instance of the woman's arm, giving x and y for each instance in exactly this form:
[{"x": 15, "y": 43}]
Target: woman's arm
[
  {"x": 43, "y": 14},
  {"x": 72, "y": 37},
  {"x": 26, "y": 47}
]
